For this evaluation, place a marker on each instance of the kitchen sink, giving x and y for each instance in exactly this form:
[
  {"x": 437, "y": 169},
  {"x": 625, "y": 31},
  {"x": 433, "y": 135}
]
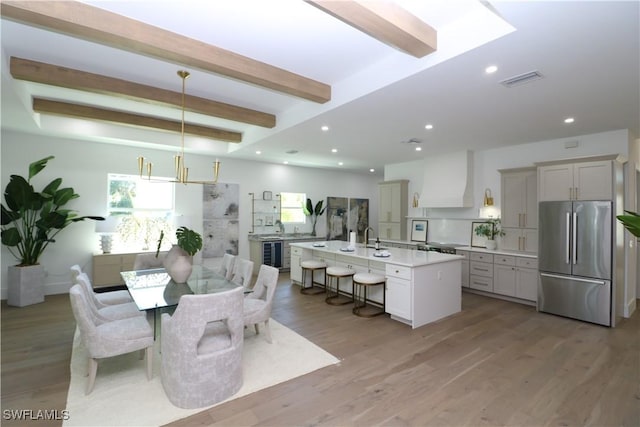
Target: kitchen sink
[{"x": 379, "y": 247}]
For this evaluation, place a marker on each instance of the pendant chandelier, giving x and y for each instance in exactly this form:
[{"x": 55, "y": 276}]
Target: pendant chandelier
[{"x": 181, "y": 170}]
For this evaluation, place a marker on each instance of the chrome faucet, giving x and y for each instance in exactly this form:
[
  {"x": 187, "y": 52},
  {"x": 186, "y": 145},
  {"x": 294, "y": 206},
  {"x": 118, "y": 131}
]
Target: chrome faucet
[
  {"x": 366, "y": 235},
  {"x": 280, "y": 225}
]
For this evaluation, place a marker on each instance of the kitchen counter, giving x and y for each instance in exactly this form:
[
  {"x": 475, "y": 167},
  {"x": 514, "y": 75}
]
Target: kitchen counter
[
  {"x": 399, "y": 256},
  {"x": 421, "y": 287}
]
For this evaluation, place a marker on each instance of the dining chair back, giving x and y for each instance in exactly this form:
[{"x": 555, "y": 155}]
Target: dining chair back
[
  {"x": 149, "y": 260},
  {"x": 226, "y": 269},
  {"x": 242, "y": 272},
  {"x": 258, "y": 304},
  {"x": 102, "y": 299},
  {"x": 201, "y": 347}
]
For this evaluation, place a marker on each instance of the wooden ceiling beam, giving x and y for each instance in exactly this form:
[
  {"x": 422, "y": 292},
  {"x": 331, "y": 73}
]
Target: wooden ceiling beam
[
  {"x": 93, "y": 113},
  {"x": 98, "y": 25},
  {"x": 54, "y": 75},
  {"x": 385, "y": 21}
]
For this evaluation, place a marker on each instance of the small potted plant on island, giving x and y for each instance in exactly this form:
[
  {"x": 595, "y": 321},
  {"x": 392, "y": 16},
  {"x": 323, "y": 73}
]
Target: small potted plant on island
[
  {"x": 30, "y": 222},
  {"x": 179, "y": 260},
  {"x": 490, "y": 230}
]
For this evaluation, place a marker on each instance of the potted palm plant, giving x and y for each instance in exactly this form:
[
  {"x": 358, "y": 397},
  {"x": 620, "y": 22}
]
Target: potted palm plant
[
  {"x": 30, "y": 221},
  {"x": 313, "y": 212},
  {"x": 631, "y": 222},
  {"x": 490, "y": 230}
]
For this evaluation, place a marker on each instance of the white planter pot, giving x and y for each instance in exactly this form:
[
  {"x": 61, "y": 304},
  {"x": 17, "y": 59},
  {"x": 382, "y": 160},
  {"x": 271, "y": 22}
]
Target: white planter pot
[
  {"x": 26, "y": 285},
  {"x": 491, "y": 245},
  {"x": 178, "y": 264}
]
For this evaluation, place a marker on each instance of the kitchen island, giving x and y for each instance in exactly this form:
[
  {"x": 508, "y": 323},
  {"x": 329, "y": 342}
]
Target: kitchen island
[{"x": 422, "y": 287}]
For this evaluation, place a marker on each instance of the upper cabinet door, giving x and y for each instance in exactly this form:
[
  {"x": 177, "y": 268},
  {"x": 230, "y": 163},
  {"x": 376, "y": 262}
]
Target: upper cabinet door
[
  {"x": 593, "y": 180},
  {"x": 386, "y": 203},
  {"x": 555, "y": 182},
  {"x": 576, "y": 181},
  {"x": 520, "y": 199}
]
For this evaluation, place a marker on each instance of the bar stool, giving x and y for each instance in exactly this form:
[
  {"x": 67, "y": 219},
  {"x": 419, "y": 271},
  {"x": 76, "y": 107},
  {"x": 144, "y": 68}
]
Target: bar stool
[
  {"x": 361, "y": 283},
  {"x": 334, "y": 297},
  {"x": 312, "y": 266}
]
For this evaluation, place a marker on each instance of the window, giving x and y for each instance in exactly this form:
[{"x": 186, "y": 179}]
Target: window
[
  {"x": 145, "y": 210},
  {"x": 292, "y": 204}
]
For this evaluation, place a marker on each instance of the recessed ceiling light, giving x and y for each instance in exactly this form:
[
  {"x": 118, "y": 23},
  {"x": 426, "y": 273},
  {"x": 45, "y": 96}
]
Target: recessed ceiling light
[
  {"x": 491, "y": 69},
  {"x": 258, "y": 152},
  {"x": 325, "y": 128},
  {"x": 418, "y": 148},
  {"x": 428, "y": 127},
  {"x": 569, "y": 120},
  {"x": 340, "y": 163},
  {"x": 285, "y": 162},
  {"x": 372, "y": 170},
  {"x": 334, "y": 150}
]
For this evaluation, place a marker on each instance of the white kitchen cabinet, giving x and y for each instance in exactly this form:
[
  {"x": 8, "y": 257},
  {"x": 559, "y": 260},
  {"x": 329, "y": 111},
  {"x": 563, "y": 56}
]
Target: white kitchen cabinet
[
  {"x": 465, "y": 267},
  {"x": 504, "y": 275},
  {"x": 398, "y": 291},
  {"x": 512, "y": 276},
  {"x": 576, "y": 181},
  {"x": 519, "y": 198},
  {"x": 297, "y": 256},
  {"x": 519, "y": 239},
  {"x": 481, "y": 271},
  {"x": 392, "y": 209}
]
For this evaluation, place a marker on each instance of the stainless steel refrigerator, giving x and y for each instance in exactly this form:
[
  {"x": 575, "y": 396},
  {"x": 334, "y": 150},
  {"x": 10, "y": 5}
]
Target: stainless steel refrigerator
[{"x": 575, "y": 257}]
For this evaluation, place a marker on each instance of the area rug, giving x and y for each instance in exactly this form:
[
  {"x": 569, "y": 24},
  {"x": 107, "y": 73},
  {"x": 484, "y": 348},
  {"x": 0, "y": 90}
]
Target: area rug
[{"x": 124, "y": 397}]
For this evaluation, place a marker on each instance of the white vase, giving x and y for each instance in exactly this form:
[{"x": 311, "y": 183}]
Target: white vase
[
  {"x": 26, "y": 285},
  {"x": 178, "y": 264},
  {"x": 491, "y": 245}
]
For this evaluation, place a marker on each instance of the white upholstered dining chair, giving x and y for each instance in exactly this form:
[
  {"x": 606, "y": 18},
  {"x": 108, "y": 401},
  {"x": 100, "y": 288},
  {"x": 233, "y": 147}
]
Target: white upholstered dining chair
[
  {"x": 201, "y": 347},
  {"x": 103, "y": 299},
  {"x": 242, "y": 272},
  {"x": 226, "y": 269},
  {"x": 149, "y": 260},
  {"x": 258, "y": 304},
  {"x": 106, "y": 313},
  {"x": 108, "y": 339}
]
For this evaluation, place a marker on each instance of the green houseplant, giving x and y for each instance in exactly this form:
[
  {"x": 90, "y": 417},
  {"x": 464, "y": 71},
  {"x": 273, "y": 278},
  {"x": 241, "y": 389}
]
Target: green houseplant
[
  {"x": 313, "y": 212},
  {"x": 490, "y": 229},
  {"x": 631, "y": 222},
  {"x": 30, "y": 221}
]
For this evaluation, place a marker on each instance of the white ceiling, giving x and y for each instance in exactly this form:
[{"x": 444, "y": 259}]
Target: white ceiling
[{"x": 588, "y": 52}]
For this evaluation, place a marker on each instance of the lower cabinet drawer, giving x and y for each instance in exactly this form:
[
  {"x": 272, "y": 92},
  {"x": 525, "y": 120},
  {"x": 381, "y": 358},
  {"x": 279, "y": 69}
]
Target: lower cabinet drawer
[
  {"x": 481, "y": 283},
  {"x": 398, "y": 271},
  {"x": 481, "y": 268}
]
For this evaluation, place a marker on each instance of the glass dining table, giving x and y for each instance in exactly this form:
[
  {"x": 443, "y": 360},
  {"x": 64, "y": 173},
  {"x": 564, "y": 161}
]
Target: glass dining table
[{"x": 153, "y": 289}]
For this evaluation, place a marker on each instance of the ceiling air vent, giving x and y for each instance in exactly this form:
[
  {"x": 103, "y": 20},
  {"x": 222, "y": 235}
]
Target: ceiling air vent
[
  {"x": 412, "y": 141},
  {"x": 522, "y": 79},
  {"x": 292, "y": 152}
]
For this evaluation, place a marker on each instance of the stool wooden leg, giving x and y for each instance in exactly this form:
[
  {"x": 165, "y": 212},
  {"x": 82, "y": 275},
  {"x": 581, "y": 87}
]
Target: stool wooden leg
[{"x": 334, "y": 298}]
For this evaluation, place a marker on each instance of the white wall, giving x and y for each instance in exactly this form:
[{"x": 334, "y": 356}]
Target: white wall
[
  {"x": 84, "y": 166},
  {"x": 453, "y": 225}
]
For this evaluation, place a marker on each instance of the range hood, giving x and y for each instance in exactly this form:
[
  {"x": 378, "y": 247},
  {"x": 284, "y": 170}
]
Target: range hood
[{"x": 448, "y": 181}]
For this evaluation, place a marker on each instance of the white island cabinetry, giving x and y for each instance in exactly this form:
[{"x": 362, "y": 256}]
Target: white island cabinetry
[{"x": 421, "y": 287}]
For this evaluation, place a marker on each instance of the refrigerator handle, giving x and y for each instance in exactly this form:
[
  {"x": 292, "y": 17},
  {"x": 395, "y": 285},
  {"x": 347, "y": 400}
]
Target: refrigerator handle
[
  {"x": 575, "y": 235},
  {"x": 567, "y": 239}
]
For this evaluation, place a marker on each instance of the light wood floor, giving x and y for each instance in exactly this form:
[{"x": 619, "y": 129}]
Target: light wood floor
[{"x": 495, "y": 363}]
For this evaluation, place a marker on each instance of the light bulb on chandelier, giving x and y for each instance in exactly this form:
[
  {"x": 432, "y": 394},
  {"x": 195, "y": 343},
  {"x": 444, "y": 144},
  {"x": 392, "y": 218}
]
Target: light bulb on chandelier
[{"x": 181, "y": 170}]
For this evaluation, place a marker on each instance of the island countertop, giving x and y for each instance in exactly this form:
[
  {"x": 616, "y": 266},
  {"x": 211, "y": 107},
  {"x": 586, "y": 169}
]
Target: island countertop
[{"x": 398, "y": 256}]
